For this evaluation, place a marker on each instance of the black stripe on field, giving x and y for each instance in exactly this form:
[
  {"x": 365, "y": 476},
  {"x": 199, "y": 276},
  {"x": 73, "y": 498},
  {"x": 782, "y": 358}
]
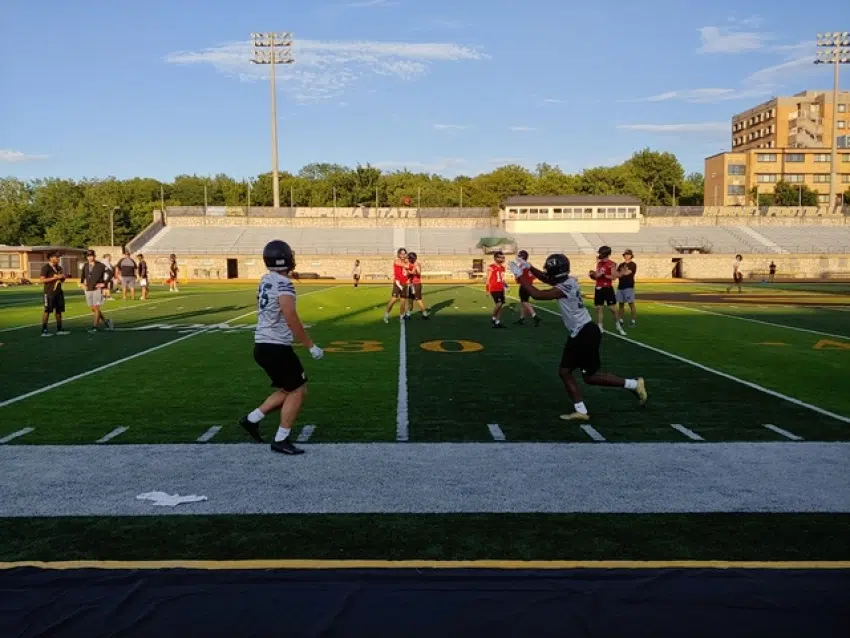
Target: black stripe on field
[{"x": 430, "y": 536}]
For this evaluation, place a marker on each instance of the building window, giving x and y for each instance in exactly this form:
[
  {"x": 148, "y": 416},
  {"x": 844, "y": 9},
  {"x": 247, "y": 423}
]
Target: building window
[
  {"x": 823, "y": 199},
  {"x": 737, "y": 169},
  {"x": 10, "y": 261},
  {"x": 795, "y": 157},
  {"x": 845, "y": 179},
  {"x": 766, "y": 157},
  {"x": 842, "y": 108},
  {"x": 768, "y": 178},
  {"x": 821, "y": 179},
  {"x": 734, "y": 189},
  {"x": 795, "y": 179},
  {"x": 822, "y": 158},
  {"x": 846, "y": 158},
  {"x": 842, "y": 124}
]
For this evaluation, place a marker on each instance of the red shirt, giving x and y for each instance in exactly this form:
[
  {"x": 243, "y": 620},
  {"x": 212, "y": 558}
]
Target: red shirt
[
  {"x": 400, "y": 273},
  {"x": 604, "y": 267},
  {"x": 496, "y": 278},
  {"x": 526, "y": 277},
  {"x": 415, "y": 274}
]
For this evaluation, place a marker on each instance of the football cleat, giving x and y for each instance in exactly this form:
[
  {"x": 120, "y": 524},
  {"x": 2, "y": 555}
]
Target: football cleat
[
  {"x": 251, "y": 428},
  {"x": 109, "y": 325},
  {"x": 640, "y": 391},
  {"x": 575, "y": 416},
  {"x": 537, "y": 320},
  {"x": 44, "y": 333},
  {"x": 285, "y": 447},
  {"x": 620, "y": 330},
  {"x": 386, "y": 319},
  {"x": 62, "y": 332}
]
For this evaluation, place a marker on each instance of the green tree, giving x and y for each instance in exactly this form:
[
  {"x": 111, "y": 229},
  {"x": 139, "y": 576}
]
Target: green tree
[
  {"x": 693, "y": 191},
  {"x": 660, "y": 173},
  {"x": 786, "y": 194}
]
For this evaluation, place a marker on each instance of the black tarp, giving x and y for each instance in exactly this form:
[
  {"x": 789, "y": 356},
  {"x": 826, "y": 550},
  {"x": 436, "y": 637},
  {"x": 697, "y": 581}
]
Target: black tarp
[{"x": 438, "y": 603}]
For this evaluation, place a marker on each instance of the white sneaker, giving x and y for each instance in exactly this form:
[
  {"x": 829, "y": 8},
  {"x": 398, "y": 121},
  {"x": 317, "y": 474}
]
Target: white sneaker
[
  {"x": 620, "y": 330},
  {"x": 386, "y": 319},
  {"x": 633, "y": 324}
]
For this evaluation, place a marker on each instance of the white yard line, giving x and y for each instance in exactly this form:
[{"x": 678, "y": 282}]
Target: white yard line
[
  {"x": 113, "y": 434},
  {"x": 15, "y": 435},
  {"x": 593, "y": 433},
  {"x": 206, "y": 436},
  {"x": 137, "y": 355},
  {"x": 305, "y": 434},
  {"x": 693, "y": 436},
  {"x": 749, "y": 384},
  {"x": 766, "y": 323},
  {"x": 402, "y": 417},
  {"x": 496, "y": 432},
  {"x": 785, "y": 433}
]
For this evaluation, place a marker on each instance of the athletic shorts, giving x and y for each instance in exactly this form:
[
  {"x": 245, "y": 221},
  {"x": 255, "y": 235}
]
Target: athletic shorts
[
  {"x": 604, "y": 297},
  {"x": 281, "y": 364},
  {"x": 738, "y": 278},
  {"x": 54, "y": 302},
  {"x": 582, "y": 351},
  {"x": 414, "y": 291},
  {"x": 498, "y": 297},
  {"x": 143, "y": 282},
  {"x": 94, "y": 298},
  {"x": 356, "y": 277},
  {"x": 523, "y": 295},
  {"x": 626, "y": 295},
  {"x": 399, "y": 291},
  {"x": 128, "y": 282}
]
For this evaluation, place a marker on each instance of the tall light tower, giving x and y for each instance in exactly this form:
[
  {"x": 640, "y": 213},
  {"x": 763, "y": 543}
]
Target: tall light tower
[
  {"x": 835, "y": 50},
  {"x": 273, "y": 48}
]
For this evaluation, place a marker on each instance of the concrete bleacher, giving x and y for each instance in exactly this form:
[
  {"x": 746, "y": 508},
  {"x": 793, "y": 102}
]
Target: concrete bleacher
[
  {"x": 808, "y": 239},
  {"x": 659, "y": 239}
]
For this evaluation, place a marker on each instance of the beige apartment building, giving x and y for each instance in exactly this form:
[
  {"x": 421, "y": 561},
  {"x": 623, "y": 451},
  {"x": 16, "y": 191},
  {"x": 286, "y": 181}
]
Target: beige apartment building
[{"x": 786, "y": 138}]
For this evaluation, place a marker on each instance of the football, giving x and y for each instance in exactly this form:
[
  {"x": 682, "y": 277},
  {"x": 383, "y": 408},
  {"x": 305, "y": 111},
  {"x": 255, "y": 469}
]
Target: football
[{"x": 592, "y": 274}]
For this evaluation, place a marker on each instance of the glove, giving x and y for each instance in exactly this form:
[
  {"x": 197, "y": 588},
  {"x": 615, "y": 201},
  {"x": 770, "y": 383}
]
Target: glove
[
  {"x": 524, "y": 265},
  {"x": 515, "y": 268},
  {"x": 316, "y": 352}
]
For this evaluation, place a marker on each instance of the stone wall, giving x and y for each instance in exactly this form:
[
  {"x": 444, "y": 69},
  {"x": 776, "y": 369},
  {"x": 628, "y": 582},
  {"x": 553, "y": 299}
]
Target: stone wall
[
  {"x": 745, "y": 221},
  {"x": 327, "y": 222}
]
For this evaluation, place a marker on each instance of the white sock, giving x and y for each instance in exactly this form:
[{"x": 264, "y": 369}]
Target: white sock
[
  {"x": 631, "y": 384},
  {"x": 581, "y": 407},
  {"x": 534, "y": 315},
  {"x": 282, "y": 434},
  {"x": 256, "y": 416}
]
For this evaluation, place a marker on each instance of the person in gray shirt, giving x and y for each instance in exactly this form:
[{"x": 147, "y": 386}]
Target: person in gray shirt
[{"x": 92, "y": 281}]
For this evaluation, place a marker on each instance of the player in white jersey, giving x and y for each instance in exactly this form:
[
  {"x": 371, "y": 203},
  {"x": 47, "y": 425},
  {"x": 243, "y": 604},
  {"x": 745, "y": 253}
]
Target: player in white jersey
[
  {"x": 582, "y": 348},
  {"x": 278, "y": 325}
]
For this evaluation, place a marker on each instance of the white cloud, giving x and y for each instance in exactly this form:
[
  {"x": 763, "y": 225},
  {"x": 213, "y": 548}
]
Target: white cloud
[
  {"x": 722, "y": 40},
  {"x": 451, "y": 165},
  {"x": 13, "y": 157},
  {"x": 522, "y": 129},
  {"x": 551, "y": 100},
  {"x": 708, "y": 96},
  {"x": 364, "y": 4},
  {"x": 449, "y": 127},
  {"x": 326, "y": 69},
  {"x": 785, "y": 71},
  {"x": 697, "y": 127}
]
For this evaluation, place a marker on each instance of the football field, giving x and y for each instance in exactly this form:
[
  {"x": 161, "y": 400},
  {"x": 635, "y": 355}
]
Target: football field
[{"x": 432, "y": 439}]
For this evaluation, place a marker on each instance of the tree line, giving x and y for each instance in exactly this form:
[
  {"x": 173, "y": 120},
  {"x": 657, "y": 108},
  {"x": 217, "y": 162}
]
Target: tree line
[{"x": 77, "y": 212}]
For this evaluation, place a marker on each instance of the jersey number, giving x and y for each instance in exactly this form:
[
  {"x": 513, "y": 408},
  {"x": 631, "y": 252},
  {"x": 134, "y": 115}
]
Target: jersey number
[
  {"x": 263, "y": 296},
  {"x": 579, "y": 300}
]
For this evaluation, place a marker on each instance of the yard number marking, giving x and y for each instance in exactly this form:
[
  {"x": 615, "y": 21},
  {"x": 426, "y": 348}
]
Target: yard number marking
[
  {"x": 461, "y": 346},
  {"x": 355, "y": 346}
]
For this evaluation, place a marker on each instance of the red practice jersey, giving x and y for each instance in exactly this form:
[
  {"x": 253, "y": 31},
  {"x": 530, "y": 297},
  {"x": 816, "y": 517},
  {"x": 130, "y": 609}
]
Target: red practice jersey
[
  {"x": 605, "y": 267},
  {"x": 526, "y": 277},
  {"x": 496, "y": 278},
  {"x": 415, "y": 274},
  {"x": 400, "y": 273}
]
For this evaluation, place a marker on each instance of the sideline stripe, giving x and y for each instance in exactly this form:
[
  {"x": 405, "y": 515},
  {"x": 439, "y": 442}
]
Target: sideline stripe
[
  {"x": 305, "y": 434},
  {"x": 206, "y": 436},
  {"x": 496, "y": 432},
  {"x": 785, "y": 433},
  {"x": 426, "y": 564},
  {"x": 688, "y": 433},
  {"x": 113, "y": 434},
  {"x": 15, "y": 435},
  {"x": 593, "y": 433},
  {"x": 136, "y": 355},
  {"x": 766, "y": 323},
  {"x": 402, "y": 417},
  {"x": 749, "y": 384}
]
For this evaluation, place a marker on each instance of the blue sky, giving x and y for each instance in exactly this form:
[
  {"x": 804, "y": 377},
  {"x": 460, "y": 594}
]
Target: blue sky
[{"x": 94, "y": 88}]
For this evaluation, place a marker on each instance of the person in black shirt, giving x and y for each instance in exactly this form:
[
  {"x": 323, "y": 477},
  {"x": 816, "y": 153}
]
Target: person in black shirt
[
  {"x": 54, "y": 298},
  {"x": 92, "y": 279},
  {"x": 172, "y": 274},
  {"x": 772, "y": 272},
  {"x": 626, "y": 288},
  {"x": 127, "y": 269},
  {"x": 143, "y": 276}
]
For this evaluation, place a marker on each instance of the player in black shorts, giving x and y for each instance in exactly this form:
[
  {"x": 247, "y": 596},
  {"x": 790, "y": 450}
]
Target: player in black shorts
[{"x": 54, "y": 297}]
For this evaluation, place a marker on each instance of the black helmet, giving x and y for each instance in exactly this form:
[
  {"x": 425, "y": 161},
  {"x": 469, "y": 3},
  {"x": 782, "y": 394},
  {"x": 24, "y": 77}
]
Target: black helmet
[
  {"x": 411, "y": 257},
  {"x": 278, "y": 255},
  {"x": 557, "y": 268},
  {"x": 604, "y": 251},
  {"x": 523, "y": 254}
]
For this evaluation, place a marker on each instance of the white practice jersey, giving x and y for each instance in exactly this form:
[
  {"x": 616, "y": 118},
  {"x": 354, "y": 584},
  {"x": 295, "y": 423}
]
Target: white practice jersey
[
  {"x": 571, "y": 305},
  {"x": 271, "y": 326}
]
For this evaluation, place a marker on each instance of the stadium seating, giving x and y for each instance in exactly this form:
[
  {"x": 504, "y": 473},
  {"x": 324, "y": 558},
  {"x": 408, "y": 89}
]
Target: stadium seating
[{"x": 809, "y": 239}]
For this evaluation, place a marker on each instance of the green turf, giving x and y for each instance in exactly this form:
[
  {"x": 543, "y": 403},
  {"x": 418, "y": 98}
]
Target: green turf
[{"x": 430, "y": 536}]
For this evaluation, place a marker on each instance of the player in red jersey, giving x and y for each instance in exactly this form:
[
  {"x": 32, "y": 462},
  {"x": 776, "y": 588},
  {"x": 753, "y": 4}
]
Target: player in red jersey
[
  {"x": 414, "y": 291},
  {"x": 497, "y": 286},
  {"x": 604, "y": 276},
  {"x": 526, "y": 309},
  {"x": 400, "y": 269}
]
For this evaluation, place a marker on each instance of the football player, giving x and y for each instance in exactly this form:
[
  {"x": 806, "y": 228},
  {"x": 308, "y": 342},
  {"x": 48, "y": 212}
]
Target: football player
[
  {"x": 400, "y": 268},
  {"x": 525, "y": 309},
  {"x": 278, "y": 325},
  {"x": 604, "y": 276},
  {"x": 737, "y": 275},
  {"x": 582, "y": 348},
  {"x": 414, "y": 291},
  {"x": 496, "y": 286}
]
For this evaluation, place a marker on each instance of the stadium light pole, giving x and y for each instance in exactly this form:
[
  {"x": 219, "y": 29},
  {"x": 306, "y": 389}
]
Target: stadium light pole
[
  {"x": 273, "y": 48},
  {"x": 834, "y": 49}
]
